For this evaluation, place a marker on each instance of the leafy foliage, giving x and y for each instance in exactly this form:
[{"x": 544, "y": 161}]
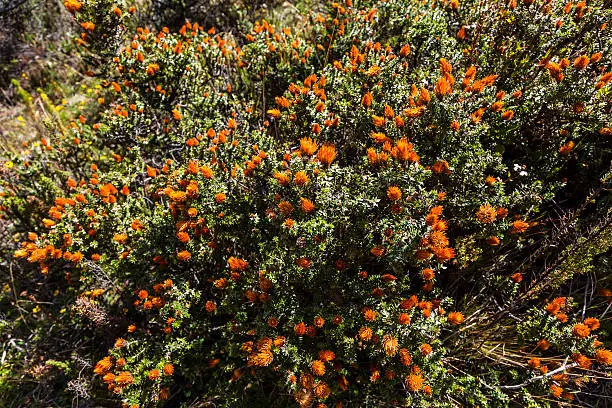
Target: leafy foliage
[{"x": 376, "y": 209}]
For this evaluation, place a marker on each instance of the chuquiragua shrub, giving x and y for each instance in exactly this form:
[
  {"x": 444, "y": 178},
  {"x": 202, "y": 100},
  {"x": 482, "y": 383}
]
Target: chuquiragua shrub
[{"x": 362, "y": 213}]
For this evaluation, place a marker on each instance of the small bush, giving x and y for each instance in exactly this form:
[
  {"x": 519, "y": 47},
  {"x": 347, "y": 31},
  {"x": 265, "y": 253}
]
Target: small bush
[{"x": 392, "y": 206}]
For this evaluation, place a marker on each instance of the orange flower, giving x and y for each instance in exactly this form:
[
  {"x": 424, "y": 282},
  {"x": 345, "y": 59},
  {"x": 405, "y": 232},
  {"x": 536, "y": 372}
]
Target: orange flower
[
  {"x": 168, "y": 369},
  {"x": 282, "y": 178},
  {"x": 73, "y": 6},
  {"x": 581, "y": 330},
  {"x": 428, "y": 274},
  {"x": 425, "y": 349},
  {"x": 502, "y": 213},
  {"x": 497, "y": 106},
  {"x": 322, "y": 390},
  {"x": 555, "y": 306},
  {"x": 604, "y": 356},
  {"x": 389, "y": 345},
  {"x": 486, "y": 214},
  {"x": 543, "y": 344},
  {"x": 152, "y": 69},
  {"x": 519, "y": 226},
  {"x": 153, "y": 374},
  {"x": 405, "y": 357},
  {"x": 445, "y": 66},
  {"x": 308, "y": 146},
  {"x": 88, "y": 25},
  {"x": 306, "y": 380},
  {"x": 300, "y": 178},
  {"x": 300, "y": 329},
  {"x": 517, "y": 277},
  {"x": 263, "y": 358},
  {"x": 369, "y": 314},
  {"x": 124, "y": 378},
  {"x": 365, "y": 333},
  {"x": 414, "y": 382},
  {"x": 440, "y": 167},
  {"x": 493, "y": 241},
  {"x": 220, "y": 198},
  {"x": 437, "y": 239},
  {"x": 378, "y": 120},
  {"x": 566, "y": 148},
  {"x": 403, "y": 151},
  {"x": 388, "y": 112},
  {"x": 164, "y": 393},
  {"x": 374, "y": 158},
  {"x": 377, "y": 251},
  {"x": 183, "y": 255},
  {"x": 307, "y": 205},
  {"x": 443, "y": 87},
  {"x": 237, "y": 264},
  {"x": 394, "y": 193},
  {"x": 303, "y": 263},
  {"x": 476, "y": 116},
  {"x": 583, "y": 361},
  {"x": 103, "y": 366},
  {"x": 178, "y": 196},
  {"x": 210, "y": 306},
  {"x": 534, "y": 362},
  {"x": 318, "y": 367},
  {"x": 157, "y": 302},
  {"x": 275, "y": 113},
  {"x": 367, "y": 100},
  {"x": 326, "y": 355},
  {"x": 556, "y": 390},
  {"x": 327, "y": 154},
  {"x": 592, "y": 322},
  {"x": 285, "y": 208},
  {"x": 379, "y": 137},
  {"x": 456, "y": 318},
  {"x": 120, "y": 238},
  {"x": 221, "y": 283},
  {"x": 581, "y": 62},
  {"x": 404, "y": 318}
]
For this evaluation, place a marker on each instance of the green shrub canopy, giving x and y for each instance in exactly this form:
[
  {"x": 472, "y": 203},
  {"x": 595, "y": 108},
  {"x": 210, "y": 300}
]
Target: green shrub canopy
[{"x": 391, "y": 204}]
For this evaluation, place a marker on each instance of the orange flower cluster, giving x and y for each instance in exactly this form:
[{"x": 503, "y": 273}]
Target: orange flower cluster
[
  {"x": 556, "y": 308},
  {"x": 73, "y": 6},
  {"x": 486, "y": 214},
  {"x": 436, "y": 242},
  {"x": 327, "y": 154},
  {"x": 403, "y": 151},
  {"x": 445, "y": 83}
]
